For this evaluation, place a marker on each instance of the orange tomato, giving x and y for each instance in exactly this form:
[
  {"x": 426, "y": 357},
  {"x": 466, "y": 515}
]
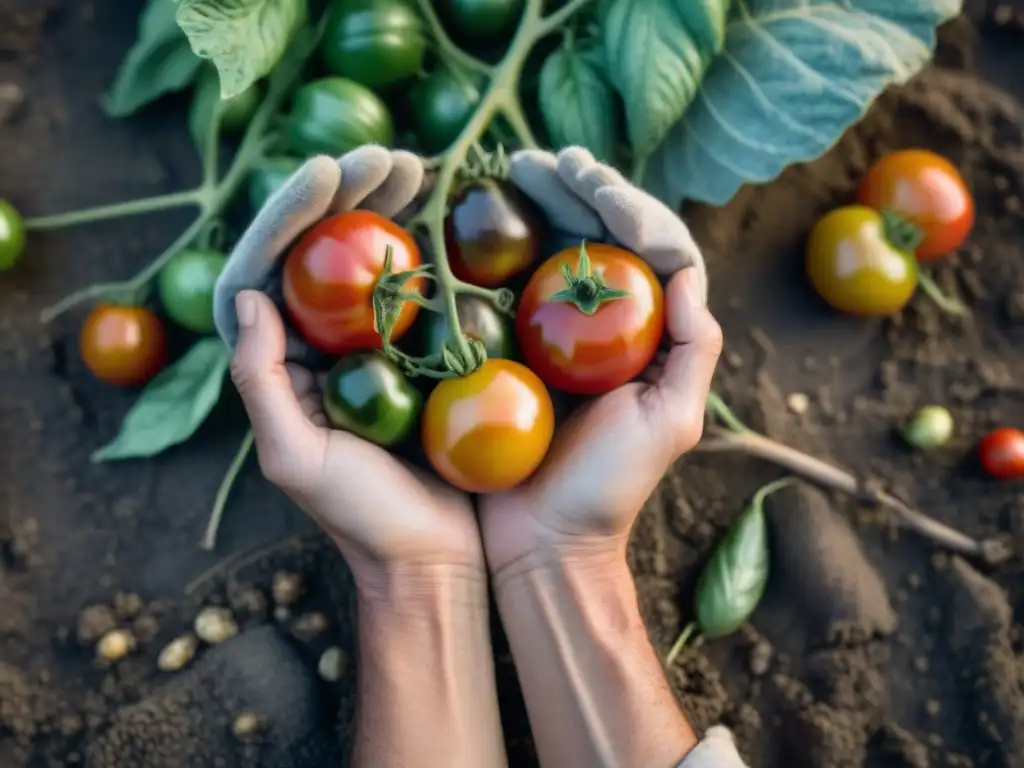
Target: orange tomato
[
  {"x": 928, "y": 191},
  {"x": 123, "y": 345},
  {"x": 590, "y": 354},
  {"x": 488, "y": 431},
  {"x": 854, "y": 267},
  {"x": 329, "y": 278}
]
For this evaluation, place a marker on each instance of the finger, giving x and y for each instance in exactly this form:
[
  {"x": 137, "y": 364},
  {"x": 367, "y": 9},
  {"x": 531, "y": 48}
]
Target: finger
[
  {"x": 281, "y": 429},
  {"x": 682, "y": 390},
  {"x": 535, "y": 172},
  {"x": 650, "y": 229},
  {"x": 584, "y": 175},
  {"x": 400, "y": 187},
  {"x": 301, "y": 202},
  {"x": 362, "y": 171}
]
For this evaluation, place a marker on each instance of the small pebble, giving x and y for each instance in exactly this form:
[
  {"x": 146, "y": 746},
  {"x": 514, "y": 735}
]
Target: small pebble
[
  {"x": 920, "y": 663},
  {"x": 127, "y": 604},
  {"x": 177, "y": 653},
  {"x": 760, "y": 658},
  {"x": 282, "y": 614},
  {"x": 94, "y": 621},
  {"x": 310, "y": 625},
  {"x": 932, "y": 707},
  {"x": 215, "y": 624},
  {"x": 332, "y": 664},
  {"x": 914, "y": 580},
  {"x": 115, "y": 645},
  {"x": 734, "y": 359},
  {"x": 286, "y": 587},
  {"x": 798, "y": 403},
  {"x": 246, "y": 726}
]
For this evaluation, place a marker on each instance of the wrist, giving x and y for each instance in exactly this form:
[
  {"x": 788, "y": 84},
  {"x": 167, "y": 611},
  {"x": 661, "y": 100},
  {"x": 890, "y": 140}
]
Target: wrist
[{"x": 419, "y": 588}]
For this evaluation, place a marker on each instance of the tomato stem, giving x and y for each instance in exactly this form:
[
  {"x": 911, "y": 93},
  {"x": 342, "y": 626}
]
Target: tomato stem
[
  {"x": 585, "y": 289},
  {"x": 452, "y": 54},
  {"x": 115, "y": 210},
  {"x": 931, "y": 289},
  {"x": 680, "y": 643},
  {"x": 209, "y": 540}
]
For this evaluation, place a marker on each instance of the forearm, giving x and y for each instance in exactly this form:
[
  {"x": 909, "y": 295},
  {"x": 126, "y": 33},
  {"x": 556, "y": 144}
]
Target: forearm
[
  {"x": 426, "y": 675},
  {"x": 594, "y": 687}
]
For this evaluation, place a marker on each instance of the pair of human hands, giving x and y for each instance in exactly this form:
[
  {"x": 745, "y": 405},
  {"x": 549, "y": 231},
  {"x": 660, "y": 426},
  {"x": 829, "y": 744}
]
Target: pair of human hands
[{"x": 604, "y": 461}]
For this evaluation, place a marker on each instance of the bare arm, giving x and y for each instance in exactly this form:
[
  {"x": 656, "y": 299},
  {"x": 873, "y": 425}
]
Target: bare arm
[
  {"x": 595, "y": 689},
  {"x": 426, "y": 675}
]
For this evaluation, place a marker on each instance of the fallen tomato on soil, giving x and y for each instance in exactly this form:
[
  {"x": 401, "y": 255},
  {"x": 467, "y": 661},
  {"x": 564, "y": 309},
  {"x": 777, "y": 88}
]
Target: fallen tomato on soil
[
  {"x": 125, "y": 346},
  {"x": 926, "y": 190},
  {"x": 592, "y": 331},
  {"x": 489, "y": 431},
  {"x": 186, "y": 286},
  {"x": 855, "y": 265},
  {"x": 12, "y": 235},
  {"x": 492, "y": 233},
  {"x": 365, "y": 394},
  {"x": 1002, "y": 453},
  {"x": 330, "y": 274}
]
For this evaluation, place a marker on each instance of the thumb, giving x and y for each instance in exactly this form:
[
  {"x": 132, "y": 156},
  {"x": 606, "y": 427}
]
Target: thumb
[
  {"x": 696, "y": 345},
  {"x": 281, "y": 430}
]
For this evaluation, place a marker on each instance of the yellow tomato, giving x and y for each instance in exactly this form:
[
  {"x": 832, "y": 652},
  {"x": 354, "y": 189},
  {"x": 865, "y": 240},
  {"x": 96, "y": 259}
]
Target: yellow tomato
[
  {"x": 854, "y": 266},
  {"x": 488, "y": 431}
]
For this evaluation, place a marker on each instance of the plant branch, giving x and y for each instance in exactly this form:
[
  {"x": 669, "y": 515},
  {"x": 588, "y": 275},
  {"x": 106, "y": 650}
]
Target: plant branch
[
  {"x": 992, "y": 551},
  {"x": 209, "y": 541},
  {"x": 680, "y": 642},
  {"x": 448, "y": 50},
  {"x": 556, "y": 19},
  {"x": 947, "y": 304},
  {"x": 512, "y": 109},
  {"x": 116, "y": 210}
]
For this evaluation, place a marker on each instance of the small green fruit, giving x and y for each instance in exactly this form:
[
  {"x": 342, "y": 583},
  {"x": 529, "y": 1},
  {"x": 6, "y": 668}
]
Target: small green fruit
[{"x": 931, "y": 427}]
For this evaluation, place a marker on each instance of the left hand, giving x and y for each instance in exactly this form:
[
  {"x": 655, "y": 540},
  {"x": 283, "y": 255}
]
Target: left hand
[{"x": 608, "y": 458}]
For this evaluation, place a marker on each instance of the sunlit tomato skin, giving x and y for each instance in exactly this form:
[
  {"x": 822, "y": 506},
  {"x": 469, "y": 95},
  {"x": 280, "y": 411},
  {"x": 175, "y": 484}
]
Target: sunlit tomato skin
[
  {"x": 1002, "y": 453},
  {"x": 329, "y": 278},
  {"x": 853, "y": 266},
  {"x": 492, "y": 233},
  {"x": 125, "y": 346},
  {"x": 590, "y": 354},
  {"x": 489, "y": 431},
  {"x": 926, "y": 190}
]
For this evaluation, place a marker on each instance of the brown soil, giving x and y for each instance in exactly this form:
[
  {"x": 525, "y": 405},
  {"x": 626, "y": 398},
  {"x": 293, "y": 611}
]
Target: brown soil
[{"x": 872, "y": 648}]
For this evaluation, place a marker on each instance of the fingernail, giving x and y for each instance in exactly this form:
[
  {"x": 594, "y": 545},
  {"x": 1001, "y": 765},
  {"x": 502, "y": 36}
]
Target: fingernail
[
  {"x": 694, "y": 289},
  {"x": 245, "y": 308}
]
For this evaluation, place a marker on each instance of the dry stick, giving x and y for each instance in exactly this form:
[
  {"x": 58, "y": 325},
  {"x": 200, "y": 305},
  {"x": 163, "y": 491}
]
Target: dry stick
[{"x": 992, "y": 551}]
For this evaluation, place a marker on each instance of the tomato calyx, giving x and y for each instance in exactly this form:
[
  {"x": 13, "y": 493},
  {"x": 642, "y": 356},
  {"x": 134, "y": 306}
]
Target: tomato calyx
[
  {"x": 585, "y": 289},
  {"x": 481, "y": 164},
  {"x": 390, "y": 294},
  {"x": 903, "y": 235}
]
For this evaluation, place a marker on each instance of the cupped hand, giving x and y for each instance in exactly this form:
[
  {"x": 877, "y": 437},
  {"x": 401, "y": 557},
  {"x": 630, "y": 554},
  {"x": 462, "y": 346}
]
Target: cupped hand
[
  {"x": 379, "y": 510},
  {"x": 607, "y": 459}
]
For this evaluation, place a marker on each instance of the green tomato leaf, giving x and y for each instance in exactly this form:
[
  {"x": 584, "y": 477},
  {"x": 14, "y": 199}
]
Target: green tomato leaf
[
  {"x": 657, "y": 52},
  {"x": 794, "y": 74},
  {"x": 577, "y": 102},
  {"x": 161, "y": 61},
  {"x": 733, "y": 581},
  {"x": 173, "y": 406},
  {"x": 243, "y": 38}
]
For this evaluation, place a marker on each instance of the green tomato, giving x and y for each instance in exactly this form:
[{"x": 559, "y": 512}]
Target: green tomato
[
  {"x": 334, "y": 115},
  {"x": 932, "y": 427},
  {"x": 479, "y": 320},
  {"x": 442, "y": 104},
  {"x": 377, "y": 43},
  {"x": 268, "y": 176},
  {"x": 12, "y": 235},
  {"x": 482, "y": 20},
  {"x": 236, "y": 112},
  {"x": 367, "y": 395},
  {"x": 185, "y": 286}
]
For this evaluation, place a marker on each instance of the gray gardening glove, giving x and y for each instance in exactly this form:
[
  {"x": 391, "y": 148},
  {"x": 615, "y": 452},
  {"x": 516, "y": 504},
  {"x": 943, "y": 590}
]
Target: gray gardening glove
[
  {"x": 371, "y": 178},
  {"x": 589, "y": 200}
]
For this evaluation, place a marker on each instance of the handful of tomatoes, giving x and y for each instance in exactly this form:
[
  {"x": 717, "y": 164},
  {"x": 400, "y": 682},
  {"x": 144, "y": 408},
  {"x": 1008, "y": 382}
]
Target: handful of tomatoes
[
  {"x": 590, "y": 318},
  {"x": 913, "y": 206}
]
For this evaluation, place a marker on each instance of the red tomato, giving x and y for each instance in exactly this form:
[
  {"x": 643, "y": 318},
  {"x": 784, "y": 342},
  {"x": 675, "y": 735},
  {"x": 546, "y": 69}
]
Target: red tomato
[
  {"x": 330, "y": 274},
  {"x": 1002, "y": 453},
  {"x": 926, "y": 190},
  {"x": 123, "y": 345},
  {"x": 589, "y": 354},
  {"x": 489, "y": 431}
]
